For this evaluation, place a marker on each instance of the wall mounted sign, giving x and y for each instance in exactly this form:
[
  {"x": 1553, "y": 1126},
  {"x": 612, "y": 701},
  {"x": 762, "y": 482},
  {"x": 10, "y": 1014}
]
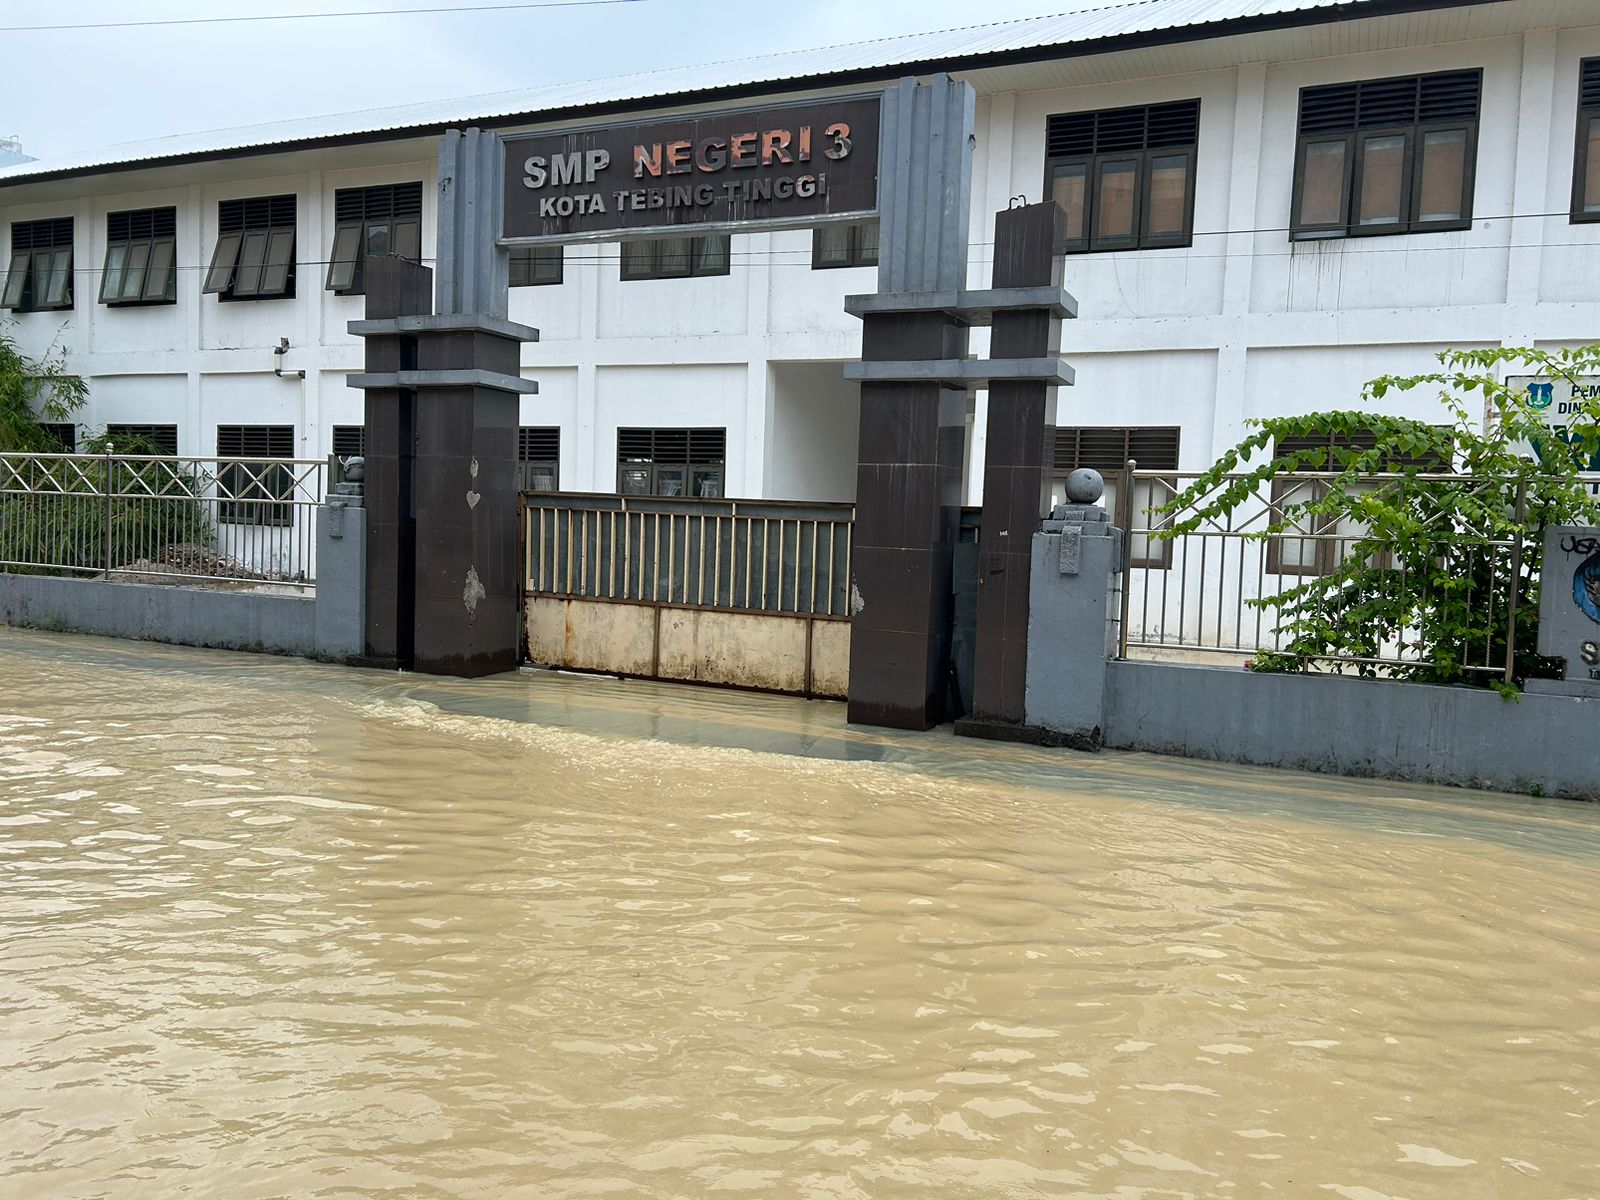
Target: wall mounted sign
[
  {"x": 794, "y": 165},
  {"x": 1561, "y": 404}
]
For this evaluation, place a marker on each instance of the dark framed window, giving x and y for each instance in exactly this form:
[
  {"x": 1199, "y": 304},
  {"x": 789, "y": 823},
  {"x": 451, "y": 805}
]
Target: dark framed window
[
  {"x": 1586, "y": 159},
  {"x": 349, "y": 441},
  {"x": 39, "y": 274},
  {"x": 1312, "y": 544},
  {"x": 539, "y": 458},
  {"x": 163, "y": 437},
  {"x": 141, "y": 264},
  {"x": 839, "y": 245},
  {"x": 536, "y": 266},
  {"x": 63, "y": 433},
  {"x": 676, "y": 257},
  {"x": 1107, "y": 450},
  {"x": 671, "y": 462},
  {"x": 254, "y": 489},
  {"x": 372, "y": 222},
  {"x": 1124, "y": 176},
  {"x": 1386, "y": 156},
  {"x": 254, "y": 258}
]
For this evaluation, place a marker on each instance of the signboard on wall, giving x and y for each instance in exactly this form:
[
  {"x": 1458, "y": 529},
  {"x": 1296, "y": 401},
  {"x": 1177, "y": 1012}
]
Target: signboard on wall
[
  {"x": 794, "y": 165},
  {"x": 1559, "y": 402}
]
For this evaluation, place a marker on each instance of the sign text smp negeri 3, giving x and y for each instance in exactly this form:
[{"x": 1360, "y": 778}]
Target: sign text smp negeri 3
[{"x": 796, "y": 163}]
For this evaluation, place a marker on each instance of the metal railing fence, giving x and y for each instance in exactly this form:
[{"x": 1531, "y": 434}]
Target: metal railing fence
[
  {"x": 161, "y": 518},
  {"x": 749, "y": 555},
  {"x": 1233, "y": 582}
]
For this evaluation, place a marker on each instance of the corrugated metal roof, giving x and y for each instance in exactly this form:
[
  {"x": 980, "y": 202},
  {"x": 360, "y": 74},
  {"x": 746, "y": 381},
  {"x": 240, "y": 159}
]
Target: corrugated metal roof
[{"x": 1079, "y": 31}]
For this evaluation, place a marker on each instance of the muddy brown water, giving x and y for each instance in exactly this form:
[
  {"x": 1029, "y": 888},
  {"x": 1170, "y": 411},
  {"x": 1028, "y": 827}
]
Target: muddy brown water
[{"x": 273, "y": 929}]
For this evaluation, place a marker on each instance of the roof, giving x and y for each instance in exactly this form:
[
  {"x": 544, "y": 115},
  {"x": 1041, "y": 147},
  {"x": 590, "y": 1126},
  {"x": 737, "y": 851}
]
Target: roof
[{"x": 1093, "y": 31}]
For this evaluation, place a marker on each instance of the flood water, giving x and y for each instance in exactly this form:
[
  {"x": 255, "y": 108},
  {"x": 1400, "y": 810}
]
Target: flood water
[{"x": 272, "y": 929}]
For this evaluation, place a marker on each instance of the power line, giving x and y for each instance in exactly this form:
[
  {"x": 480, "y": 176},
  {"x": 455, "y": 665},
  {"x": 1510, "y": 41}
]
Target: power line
[{"x": 368, "y": 12}]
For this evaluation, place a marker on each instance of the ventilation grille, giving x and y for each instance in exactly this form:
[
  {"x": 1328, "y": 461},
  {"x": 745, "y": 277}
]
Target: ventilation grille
[
  {"x": 63, "y": 433},
  {"x": 1108, "y": 449},
  {"x": 349, "y": 441},
  {"x": 260, "y": 212},
  {"x": 541, "y": 444},
  {"x": 1590, "y": 88},
  {"x": 255, "y": 441},
  {"x": 1356, "y": 443},
  {"x": 697, "y": 447},
  {"x": 141, "y": 223},
  {"x": 1384, "y": 103},
  {"x": 53, "y": 234},
  {"x": 164, "y": 436},
  {"x": 376, "y": 203},
  {"x": 1114, "y": 130}
]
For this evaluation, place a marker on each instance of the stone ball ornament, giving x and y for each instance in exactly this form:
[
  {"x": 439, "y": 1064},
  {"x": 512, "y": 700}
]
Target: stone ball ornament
[
  {"x": 1085, "y": 486},
  {"x": 355, "y": 469}
]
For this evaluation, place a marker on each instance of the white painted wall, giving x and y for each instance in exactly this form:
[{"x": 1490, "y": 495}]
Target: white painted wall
[{"x": 1242, "y": 323}]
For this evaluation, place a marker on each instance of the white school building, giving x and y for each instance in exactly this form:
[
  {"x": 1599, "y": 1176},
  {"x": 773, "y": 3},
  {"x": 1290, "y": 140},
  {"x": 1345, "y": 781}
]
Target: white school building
[{"x": 1271, "y": 202}]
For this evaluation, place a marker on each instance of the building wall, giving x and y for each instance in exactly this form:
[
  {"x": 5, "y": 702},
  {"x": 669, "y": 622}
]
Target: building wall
[{"x": 1242, "y": 323}]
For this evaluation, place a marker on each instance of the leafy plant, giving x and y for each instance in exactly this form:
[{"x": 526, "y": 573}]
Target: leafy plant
[
  {"x": 34, "y": 391},
  {"x": 1425, "y": 558},
  {"x": 54, "y": 511}
]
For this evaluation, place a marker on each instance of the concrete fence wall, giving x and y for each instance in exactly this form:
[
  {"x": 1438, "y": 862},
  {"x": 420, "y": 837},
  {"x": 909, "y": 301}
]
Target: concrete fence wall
[
  {"x": 328, "y": 625},
  {"x": 1540, "y": 744}
]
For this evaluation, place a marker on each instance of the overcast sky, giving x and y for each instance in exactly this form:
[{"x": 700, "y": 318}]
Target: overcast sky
[{"x": 70, "y": 90}]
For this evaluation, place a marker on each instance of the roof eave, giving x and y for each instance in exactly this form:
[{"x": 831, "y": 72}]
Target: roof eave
[{"x": 886, "y": 74}]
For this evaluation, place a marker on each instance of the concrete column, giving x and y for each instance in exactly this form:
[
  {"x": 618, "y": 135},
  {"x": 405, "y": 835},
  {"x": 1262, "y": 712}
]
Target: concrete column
[
  {"x": 1073, "y": 606},
  {"x": 341, "y": 608},
  {"x": 1018, "y": 449},
  {"x": 908, "y": 514}
]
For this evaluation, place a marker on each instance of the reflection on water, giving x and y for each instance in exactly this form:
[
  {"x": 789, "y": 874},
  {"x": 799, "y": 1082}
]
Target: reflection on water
[{"x": 273, "y": 929}]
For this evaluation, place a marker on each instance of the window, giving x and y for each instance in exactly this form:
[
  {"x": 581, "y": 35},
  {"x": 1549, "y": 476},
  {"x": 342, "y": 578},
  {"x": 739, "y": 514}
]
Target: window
[
  {"x": 671, "y": 462},
  {"x": 535, "y": 266},
  {"x": 539, "y": 459},
  {"x": 676, "y": 257},
  {"x": 255, "y": 492},
  {"x": 1386, "y": 156},
  {"x": 1108, "y": 450},
  {"x": 349, "y": 441},
  {"x": 844, "y": 246},
  {"x": 372, "y": 222},
  {"x": 163, "y": 437},
  {"x": 39, "y": 277},
  {"x": 1313, "y": 544},
  {"x": 141, "y": 257},
  {"x": 63, "y": 433},
  {"x": 254, "y": 259},
  {"x": 1124, "y": 176},
  {"x": 1586, "y": 165}
]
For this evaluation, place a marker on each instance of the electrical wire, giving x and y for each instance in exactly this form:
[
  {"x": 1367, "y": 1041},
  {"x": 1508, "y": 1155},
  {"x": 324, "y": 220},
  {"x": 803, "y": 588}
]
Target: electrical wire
[{"x": 369, "y": 12}]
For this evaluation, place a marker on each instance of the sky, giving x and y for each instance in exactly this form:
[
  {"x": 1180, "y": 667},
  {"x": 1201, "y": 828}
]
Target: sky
[{"x": 69, "y": 90}]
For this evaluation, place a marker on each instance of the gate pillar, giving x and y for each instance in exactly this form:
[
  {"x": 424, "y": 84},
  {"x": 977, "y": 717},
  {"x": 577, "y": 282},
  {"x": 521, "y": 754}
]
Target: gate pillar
[
  {"x": 443, "y": 592},
  {"x": 1029, "y": 243}
]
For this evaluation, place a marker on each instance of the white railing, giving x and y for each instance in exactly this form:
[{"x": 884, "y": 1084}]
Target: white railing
[{"x": 162, "y": 518}]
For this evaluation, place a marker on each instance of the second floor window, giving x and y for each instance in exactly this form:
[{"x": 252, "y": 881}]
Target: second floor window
[
  {"x": 1125, "y": 176},
  {"x": 1387, "y": 156},
  {"x": 254, "y": 259},
  {"x": 536, "y": 266},
  {"x": 372, "y": 222},
  {"x": 141, "y": 257},
  {"x": 39, "y": 276},
  {"x": 853, "y": 245},
  {"x": 1586, "y": 164},
  {"x": 675, "y": 257}
]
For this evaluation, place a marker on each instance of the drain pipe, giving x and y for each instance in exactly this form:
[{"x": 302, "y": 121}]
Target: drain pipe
[{"x": 278, "y": 352}]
